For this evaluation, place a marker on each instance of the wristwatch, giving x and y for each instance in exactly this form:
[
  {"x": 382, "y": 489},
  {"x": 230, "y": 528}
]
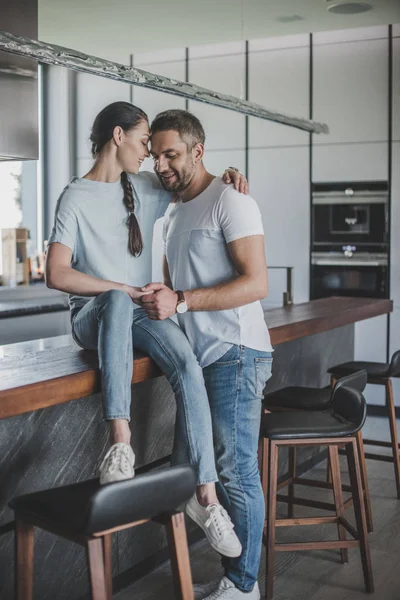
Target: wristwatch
[{"x": 181, "y": 307}]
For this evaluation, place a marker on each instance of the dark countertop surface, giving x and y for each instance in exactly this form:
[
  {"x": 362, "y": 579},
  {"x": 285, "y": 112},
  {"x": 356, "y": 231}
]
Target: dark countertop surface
[
  {"x": 36, "y": 306},
  {"x": 54, "y": 370}
]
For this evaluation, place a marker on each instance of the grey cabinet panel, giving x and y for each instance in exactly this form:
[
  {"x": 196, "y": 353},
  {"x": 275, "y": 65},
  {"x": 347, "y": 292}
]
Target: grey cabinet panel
[
  {"x": 279, "y": 79},
  {"x": 350, "y": 162},
  {"x": 153, "y": 102},
  {"x": 351, "y": 91},
  {"x": 370, "y": 344},
  {"x": 396, "y": 89},
  {"x": 224, "y": 128},
  {"x": 395, "y": 229},
  {"x": 279, "y": 183}
]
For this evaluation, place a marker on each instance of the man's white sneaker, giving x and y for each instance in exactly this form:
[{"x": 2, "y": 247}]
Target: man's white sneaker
[
  {"x": 117, "y": 464},
  {"x": 227, "y": 591},
  {"x": 217, "y": 525},
  {"x": 202, "y": 590}
]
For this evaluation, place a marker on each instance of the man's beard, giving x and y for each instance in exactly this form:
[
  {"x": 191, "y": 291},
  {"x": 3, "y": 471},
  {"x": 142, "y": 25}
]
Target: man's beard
[{"x": 180, "y": 182}]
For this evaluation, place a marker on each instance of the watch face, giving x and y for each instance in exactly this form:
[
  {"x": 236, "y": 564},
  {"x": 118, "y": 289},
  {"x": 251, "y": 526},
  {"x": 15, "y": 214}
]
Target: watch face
[{"x": 182, "y": 308}]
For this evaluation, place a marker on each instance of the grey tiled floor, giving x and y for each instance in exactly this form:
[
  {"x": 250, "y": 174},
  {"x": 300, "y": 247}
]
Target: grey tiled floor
[{"x": 316, "y": 575}]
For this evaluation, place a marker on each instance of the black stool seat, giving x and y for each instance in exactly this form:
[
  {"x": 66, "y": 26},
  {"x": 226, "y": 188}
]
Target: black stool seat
[
  {"x": 85, "y": 508},
  {"x": 299, "y": 398},
  {"x": 345, "y": 416},
  {"x": 318, "y": 424},
  {"x": 375, "y": 370}
]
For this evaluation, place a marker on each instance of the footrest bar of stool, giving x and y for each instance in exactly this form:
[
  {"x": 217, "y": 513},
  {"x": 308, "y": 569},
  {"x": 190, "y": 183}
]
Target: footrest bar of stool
[
  {"x": 378, "y": 443},
  {"x": 285, "y": 483},
  {"x": 7, "y": 527},
  {"x": 329, "y": 545},
  {"x": 305, "y": 521},
  {"x": 352, "y": 531},
  {"x": 380, "y": 457},
  {"x": 318, "y": 483},
  {"x": 306, "y": 502}
]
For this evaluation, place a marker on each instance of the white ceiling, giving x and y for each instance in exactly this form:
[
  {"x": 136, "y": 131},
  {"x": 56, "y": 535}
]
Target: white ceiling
[{"x": 116, "y": 28}]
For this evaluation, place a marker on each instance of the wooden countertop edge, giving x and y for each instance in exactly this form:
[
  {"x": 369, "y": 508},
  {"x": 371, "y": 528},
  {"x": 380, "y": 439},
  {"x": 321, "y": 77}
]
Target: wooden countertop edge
[
  {"x": 27, "y": 398},
  {"x": 293, "y": 331},
  {"x": 35, "y": 396}
]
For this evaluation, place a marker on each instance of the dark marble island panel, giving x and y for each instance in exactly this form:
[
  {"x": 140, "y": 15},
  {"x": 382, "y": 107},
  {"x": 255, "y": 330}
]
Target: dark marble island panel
[{"x": 49, "y": 440}]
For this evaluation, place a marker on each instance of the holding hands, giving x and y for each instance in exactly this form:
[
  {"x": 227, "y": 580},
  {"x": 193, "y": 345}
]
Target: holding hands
[{"x": 159, "y": 301}]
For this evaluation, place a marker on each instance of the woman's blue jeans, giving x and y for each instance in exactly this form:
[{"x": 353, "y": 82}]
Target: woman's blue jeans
[{"x": 109, "y": 324}]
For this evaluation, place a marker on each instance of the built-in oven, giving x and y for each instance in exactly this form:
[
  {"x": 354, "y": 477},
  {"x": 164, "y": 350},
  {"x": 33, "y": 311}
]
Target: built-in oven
[
  {"x": 350, "y": 213},
  {"x": 349, "y": 239},
  {"x": 349, "y": 274}
]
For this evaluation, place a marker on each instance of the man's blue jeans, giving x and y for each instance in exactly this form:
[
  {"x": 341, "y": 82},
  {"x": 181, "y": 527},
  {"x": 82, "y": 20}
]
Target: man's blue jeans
[
  {"x": 109, "y": 324},
  {"x": 235, "y": 385}
]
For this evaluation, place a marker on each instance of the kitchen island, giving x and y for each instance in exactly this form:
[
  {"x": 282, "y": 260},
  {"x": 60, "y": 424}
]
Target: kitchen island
[{"x": 52, "y": 431}]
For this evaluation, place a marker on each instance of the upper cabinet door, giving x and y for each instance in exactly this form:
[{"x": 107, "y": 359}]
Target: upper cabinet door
[
  {"x": 396, "y": 87},
  {"x": 351, "y": 86},
  {"x": 279, "y": 79}
]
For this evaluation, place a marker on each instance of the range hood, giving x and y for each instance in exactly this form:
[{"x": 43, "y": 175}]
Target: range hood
[{"x": 19, "y": 114}]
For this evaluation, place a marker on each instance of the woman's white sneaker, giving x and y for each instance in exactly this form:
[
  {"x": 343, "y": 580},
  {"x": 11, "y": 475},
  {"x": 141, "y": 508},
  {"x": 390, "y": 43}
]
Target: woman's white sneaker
[
  {"x": 217, "y": 525},
  {"x": 118, "y": 463},
  {"x": 227, "y": 591}
]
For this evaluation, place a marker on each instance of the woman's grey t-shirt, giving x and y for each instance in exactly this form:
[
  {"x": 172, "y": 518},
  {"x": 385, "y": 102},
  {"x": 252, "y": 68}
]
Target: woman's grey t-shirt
[{"x": 90, "y": 219}]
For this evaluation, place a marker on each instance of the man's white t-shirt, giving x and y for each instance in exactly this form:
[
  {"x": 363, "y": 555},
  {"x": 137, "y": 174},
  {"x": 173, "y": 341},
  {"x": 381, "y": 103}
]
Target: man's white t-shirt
[{"x": 196, "y": 234}]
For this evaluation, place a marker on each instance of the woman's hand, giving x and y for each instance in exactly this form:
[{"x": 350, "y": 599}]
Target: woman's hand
[
  {"x": 239, "y": 181},
  {"x": 136, "y": 293}
]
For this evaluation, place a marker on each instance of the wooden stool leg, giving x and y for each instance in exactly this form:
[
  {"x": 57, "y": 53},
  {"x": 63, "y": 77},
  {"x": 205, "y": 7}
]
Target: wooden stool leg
[
  {"x": 393, "y": 432},
  {"x": 292, "y": 475},
  {"x": 364, "y": 480},
  {"x": 359, "y": 511},
  {"x": 328, "y": 466},
  {"x": 271, "y": 518},
  {"x": 180, "y": 563},
  {"x": 265, "y": 472},
  {"x": 107, "y": 550},
  {"x": 94, "y": 548},
  {"x": 338, "y": 496},
  {"x": 24, "y": 538}
]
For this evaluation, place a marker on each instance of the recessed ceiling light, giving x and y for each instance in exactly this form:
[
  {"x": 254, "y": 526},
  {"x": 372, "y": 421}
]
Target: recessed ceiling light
[
  {"x": 348, "y": 8},
  {"x": 290, "y": 19}
]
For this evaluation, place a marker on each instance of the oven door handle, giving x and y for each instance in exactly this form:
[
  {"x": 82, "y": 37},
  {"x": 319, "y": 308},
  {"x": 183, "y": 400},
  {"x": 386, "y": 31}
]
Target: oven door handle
[{"x": 350, "y": 262}]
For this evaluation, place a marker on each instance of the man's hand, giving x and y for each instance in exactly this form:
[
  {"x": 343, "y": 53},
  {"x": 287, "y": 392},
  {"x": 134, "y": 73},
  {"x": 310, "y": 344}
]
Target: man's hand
[
  {"x": 239, "y": 181},
  {"x": 136, "y": 293},
  {"x": 160, "y": 303}
]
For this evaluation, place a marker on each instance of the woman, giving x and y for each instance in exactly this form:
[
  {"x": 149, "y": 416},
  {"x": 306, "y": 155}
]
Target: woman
[{"x": 100, "y": 255}]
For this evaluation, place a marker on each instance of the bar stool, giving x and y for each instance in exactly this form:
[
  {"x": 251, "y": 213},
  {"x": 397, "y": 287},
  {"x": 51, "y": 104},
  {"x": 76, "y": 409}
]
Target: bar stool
[
  {"x": 312, "y": 399},
  {"x": 334, "y": 427},
  {"x": 88, "y": 514},
  {"x": 378, "y": 374}
]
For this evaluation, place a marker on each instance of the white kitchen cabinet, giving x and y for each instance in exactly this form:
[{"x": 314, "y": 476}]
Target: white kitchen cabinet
[
  {"x": 395, "y": 228},
  {"x": 370, "y": 345},
  {"x": 279, "y": 79},
  {"x": 351, "y": 90},
  {"x": 153, "y": 102},
  {"x": 350, "y": 162},
  {"x": 279, "y": 182},
  {"x": 396, "y": 89},
  {"x": 93, "y": 94},
  {"x": 226, "y": 74}
]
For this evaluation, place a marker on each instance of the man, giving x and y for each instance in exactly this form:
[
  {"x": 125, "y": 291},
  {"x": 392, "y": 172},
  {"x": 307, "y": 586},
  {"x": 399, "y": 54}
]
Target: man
[{"x": 215, "y": 262}]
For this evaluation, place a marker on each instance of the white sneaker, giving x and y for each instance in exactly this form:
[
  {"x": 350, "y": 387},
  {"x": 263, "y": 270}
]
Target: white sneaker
[
  {"x": 227, "y": 591},
  {"x": 217, "y": 525},
  {"x": 202, "y": 590},
  {"x": 117, "y": 464}
]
